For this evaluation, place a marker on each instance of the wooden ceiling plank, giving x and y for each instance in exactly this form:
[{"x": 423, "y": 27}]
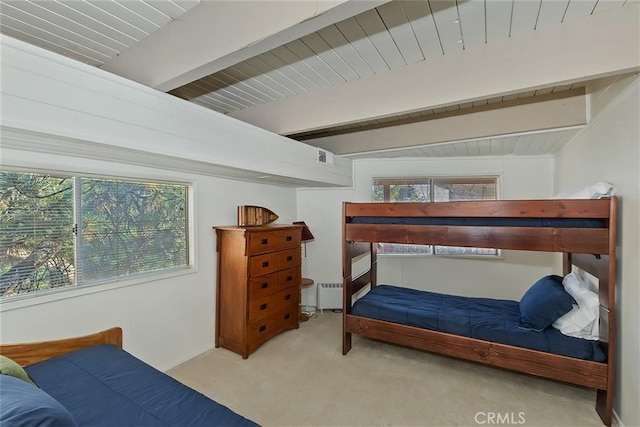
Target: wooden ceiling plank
[
  {"x": 25, "y": 20},
  {"x": 225, "y": 97},
  {"x": 445, "y": 15},
  {"x": 106, "y": 18},
  {"x": 265, "y": 74},
  {"x": 473, "y": 148},
  {"x": 315, "y": 62},
  {"x": 268, "y": 65},
  {"x": 394, "y": 18},
  {"x": 171, "y": 8},
  {"x": 472, "y": 23},
  {"x": 147, "y": 11},
  {"x": 213, "y": 105},
  {"x": 352, "y": 31},
  {"x": 579, "y": 9},
  {"x": 301, "y": 66},
  {"x": 29, "y": 37},
  {"x": 498, "y": 16},
  {"x": 65, "y": 45},
  {"x": 118, "y": 10},
  {"x": 246, "y": 86},
  {"x": 54, "y": 14},
  {"x": 329, "y": 56},
  {"x": 522, "y": 144},
  {"x": 68, "y": 11},
  {"x": 338, "y": 42},
  {"x": 424, "y": 27},
  {"x": 604, "y": 5},
  {"x": 524, "y": 16},
  {"x": 291, "y": 73},
  {"x": 375, "y": 30},
  {"x": 551, "y": 13},
  {"x": 234, "y": 92},
  {"x": 257, "y": 81}
]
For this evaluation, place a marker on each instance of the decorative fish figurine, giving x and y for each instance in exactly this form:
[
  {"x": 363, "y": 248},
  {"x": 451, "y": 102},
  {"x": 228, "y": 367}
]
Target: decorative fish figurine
[{"x": 255, "y": 215}]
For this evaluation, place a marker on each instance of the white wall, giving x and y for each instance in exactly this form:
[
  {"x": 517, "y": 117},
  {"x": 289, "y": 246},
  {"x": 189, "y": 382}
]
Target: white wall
[
  {"x": 101, "y": 115},
  {"x": 168, "y": 320},
  {"x": 608, "y": 150},
  {"x": 505, "y": 278}
]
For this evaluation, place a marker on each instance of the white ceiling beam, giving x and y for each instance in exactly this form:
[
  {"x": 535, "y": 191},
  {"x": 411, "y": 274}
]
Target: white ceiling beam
[
  {"x": 518, "y": 116},
  {"x": 583, "y": 49},
  {"x": 217, "y": 34}
]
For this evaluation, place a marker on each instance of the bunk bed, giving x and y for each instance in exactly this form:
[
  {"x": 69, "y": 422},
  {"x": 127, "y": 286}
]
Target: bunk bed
[{"x": 584, "y": 231}]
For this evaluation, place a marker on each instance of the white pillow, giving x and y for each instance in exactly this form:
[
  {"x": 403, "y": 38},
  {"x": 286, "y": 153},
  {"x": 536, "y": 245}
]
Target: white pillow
[
  {"x": 583, "y": 320},
  {"x": 595, "y": 191}
]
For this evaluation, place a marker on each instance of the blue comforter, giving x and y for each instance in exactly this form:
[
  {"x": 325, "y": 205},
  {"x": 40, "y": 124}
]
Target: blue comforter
[
  {"x": 106, "y": 386},
  {"x": 487, "y": 319}
]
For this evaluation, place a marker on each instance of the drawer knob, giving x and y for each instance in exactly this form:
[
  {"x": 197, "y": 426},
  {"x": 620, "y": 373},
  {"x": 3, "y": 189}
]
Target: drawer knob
[
  {"x": 262, "y": 328},
  {"x": 287, "y": 297},
  {"x": 289, "y": 258},
  {"x": 264, "y": 241},
  {"x": 289, "y": 278},
  {"x": 265, "y": 264},
  {"x": 264, "y": 285},
  {"x": 289, "y": 238},
  {"x": 263, "y": 306},
  {"x": 286, "y": 316}
]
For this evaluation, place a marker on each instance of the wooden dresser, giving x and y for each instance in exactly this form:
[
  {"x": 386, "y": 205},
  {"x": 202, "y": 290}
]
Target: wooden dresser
[{"x": 258, "y": 286}]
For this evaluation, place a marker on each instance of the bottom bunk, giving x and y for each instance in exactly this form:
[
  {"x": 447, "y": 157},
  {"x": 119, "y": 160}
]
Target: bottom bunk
[
  {"x": 499, "y": 333},
  {"x": 494, "y": 320}
]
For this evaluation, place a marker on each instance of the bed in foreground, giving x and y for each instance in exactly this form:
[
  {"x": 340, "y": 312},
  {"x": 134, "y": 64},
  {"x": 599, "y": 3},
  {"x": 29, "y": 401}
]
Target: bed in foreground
[
  {"x": 92, "y": 381},
  {"x": 583, "y": 230}
]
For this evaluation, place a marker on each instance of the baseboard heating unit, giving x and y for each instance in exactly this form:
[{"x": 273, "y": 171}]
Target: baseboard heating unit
[{"x": 329, "y": 296}]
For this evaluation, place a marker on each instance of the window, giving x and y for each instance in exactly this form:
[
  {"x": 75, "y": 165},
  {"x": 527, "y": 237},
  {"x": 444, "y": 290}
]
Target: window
[
  {"x": 60, "y": 231},
  {"x": 434, "y": 190}
]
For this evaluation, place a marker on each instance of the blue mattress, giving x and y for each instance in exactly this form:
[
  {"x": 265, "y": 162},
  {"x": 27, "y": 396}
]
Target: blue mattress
[
  {"x": 487, "y": 319},
  {"x": 485, "y": 222},
  {"x": 106, "y": 386}
]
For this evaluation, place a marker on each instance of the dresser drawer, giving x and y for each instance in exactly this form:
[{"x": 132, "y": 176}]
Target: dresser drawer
[
  {"x": 267, "y": 284},
  {"x": 266, "y": 306},
  {"x": 289, "y": 258},
  {"x": 263, "y": 285},
  {"x": 263, "y": 329},
  {"x": 288, "y": 278},
  {"x": 269, "y": 241},
  {"x": 264, "y": 264}
]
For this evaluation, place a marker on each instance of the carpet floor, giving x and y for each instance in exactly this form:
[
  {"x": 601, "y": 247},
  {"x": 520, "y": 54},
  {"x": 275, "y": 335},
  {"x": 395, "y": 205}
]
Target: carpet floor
[{"x": 301, "y": 378}]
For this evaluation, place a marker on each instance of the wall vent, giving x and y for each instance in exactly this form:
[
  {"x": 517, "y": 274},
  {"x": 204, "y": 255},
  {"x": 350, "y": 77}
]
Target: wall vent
[
  {"x": 325, "y": 156},
  {"x": 329, "y": 296}
]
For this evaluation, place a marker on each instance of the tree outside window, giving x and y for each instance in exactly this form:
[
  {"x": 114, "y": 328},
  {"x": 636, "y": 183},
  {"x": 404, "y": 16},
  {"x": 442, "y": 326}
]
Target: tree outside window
[{"x": 62, "y": 231}]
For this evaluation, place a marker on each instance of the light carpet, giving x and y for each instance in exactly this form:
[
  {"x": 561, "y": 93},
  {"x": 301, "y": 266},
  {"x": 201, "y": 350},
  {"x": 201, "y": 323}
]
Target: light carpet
[{"x": 301, "y": 378}]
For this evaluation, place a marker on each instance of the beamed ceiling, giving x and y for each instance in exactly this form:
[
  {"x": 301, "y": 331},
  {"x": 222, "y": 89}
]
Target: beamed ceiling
[{"x": 426, "y": 78}]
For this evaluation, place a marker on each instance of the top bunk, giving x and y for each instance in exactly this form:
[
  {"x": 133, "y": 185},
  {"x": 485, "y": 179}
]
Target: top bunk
[{"x": 550, "y": 225}]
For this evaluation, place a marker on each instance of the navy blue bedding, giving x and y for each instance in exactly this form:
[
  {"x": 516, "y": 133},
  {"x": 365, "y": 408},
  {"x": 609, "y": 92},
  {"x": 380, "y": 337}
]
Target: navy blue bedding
[
  {"x": 487, "y": 319},
  {"x": 484, "y": 222},
  {"x": 106, "y": 386}
]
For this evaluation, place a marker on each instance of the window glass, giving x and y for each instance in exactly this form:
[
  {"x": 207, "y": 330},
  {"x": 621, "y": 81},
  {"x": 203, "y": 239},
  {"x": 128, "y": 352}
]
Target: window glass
[
  {"x": 63, "y": 231},
  {"x": 436, "y": 189},
  {"x": 131, "y": 227}
]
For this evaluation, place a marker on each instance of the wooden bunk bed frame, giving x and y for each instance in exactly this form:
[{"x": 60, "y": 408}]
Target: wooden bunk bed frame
[{"x": 590, "y": 249}]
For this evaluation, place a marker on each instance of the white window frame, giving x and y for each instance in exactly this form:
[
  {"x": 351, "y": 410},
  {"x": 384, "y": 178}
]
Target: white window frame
[
  {"x": 432, "y": 181},
  {"x": 30, "y": 298}
]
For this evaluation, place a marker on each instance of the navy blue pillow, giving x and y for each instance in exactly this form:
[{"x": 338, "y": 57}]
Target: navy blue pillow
[
  {"x": 544, "y": 302},
  {"x": 22, "y": 404}
]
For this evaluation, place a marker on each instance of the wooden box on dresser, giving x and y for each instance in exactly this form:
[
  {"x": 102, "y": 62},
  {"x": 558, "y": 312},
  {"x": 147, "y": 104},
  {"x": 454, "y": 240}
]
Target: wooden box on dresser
[{"x": 258, "y": 285}]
